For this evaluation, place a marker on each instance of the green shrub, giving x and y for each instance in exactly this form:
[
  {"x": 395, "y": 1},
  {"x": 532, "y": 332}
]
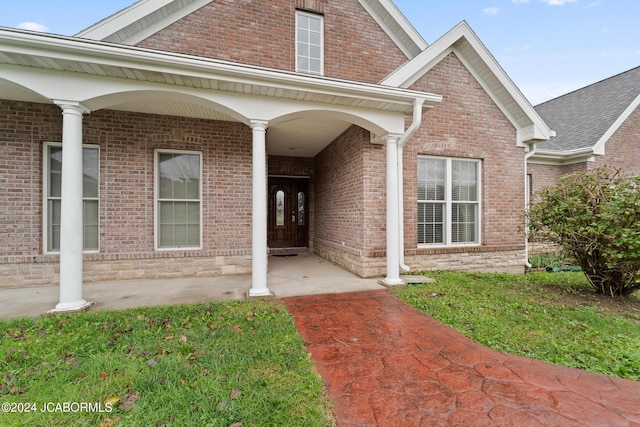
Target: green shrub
[{"x": 595, "y": 217}]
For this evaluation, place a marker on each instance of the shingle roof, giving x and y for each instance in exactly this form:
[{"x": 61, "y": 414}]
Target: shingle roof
[{"x": 582, "y": 117}]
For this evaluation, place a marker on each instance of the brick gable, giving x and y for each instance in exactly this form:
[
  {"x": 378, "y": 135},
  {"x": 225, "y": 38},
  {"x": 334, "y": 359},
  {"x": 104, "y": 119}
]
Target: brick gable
[
  {"x": 263, "y": 34},
  {"x": 623, "y": 148}
]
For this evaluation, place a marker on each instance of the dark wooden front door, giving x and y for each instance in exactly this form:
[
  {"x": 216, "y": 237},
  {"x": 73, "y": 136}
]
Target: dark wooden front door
[{"x": 287, "y": 216}]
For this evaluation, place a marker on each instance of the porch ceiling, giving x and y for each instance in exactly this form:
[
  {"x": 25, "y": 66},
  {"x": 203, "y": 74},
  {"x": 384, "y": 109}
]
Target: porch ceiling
[{"x": 299, "y": 137}]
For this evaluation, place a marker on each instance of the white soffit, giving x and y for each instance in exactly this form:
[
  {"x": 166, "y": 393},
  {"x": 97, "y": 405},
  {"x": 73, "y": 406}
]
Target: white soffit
[{"x": 141, "y": 20}]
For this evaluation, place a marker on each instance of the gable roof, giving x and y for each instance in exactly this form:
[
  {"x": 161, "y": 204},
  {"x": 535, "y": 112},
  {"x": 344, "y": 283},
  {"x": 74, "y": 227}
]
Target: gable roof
[
  {"x": 483, "y": 66},
  {"x": 144, "y": 18},
  {"x": 586, "y": 118}
]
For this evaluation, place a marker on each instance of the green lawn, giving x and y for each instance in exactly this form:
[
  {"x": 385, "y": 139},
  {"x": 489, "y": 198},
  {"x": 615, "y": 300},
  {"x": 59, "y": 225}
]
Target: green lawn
[
  {"x": 552, "y": 317},
  {"x": 198, "y": 365},
  {"x": 243, "y": 362}
]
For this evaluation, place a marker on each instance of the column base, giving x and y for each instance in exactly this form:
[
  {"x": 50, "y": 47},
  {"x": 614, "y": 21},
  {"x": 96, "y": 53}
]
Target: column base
[
  {"x": 255, "y": 293},
  {"x": 74, "y": 307},
  {"x": 391, "y": 282}
]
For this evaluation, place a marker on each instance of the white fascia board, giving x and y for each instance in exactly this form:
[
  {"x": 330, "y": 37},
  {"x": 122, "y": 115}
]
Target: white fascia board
[
  {"x": 599, "y": 147},
  {"x": 96, "y": 52},
  {"x": 391, "y": 12}
]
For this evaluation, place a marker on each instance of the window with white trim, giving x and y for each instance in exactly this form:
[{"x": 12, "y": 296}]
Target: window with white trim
[
  {"x": 309, "y": 43},
  {"x": 53, "y": 196},
  {"x": 448, "y": 201},
  {"x": 178, "y": 193}
]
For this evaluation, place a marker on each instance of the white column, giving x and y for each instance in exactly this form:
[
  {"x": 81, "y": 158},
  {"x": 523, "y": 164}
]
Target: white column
[
  {"x": 71, "y": 223},
  {"x": 393, "y": 214},
  {"x": 259, "y": 212}
]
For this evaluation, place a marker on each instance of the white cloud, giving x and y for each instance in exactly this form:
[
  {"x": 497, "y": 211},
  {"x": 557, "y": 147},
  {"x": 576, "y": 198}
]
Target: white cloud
[
  {"x": 491, "y": 11},
  {"x": 558, "y": 2},
  {"x": 33, "y": 26}
]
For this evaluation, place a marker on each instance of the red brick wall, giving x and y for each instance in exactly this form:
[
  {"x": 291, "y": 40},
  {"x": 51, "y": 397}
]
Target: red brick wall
[
  {"x": 467, "y": 124},
  {"x": 262, "y": 33},
  {"x": 127, "y": 142},
  {"x": 547, "y": 175},
  {"x": 623, "y": 149},
  {"x": 339, "y": 190}
]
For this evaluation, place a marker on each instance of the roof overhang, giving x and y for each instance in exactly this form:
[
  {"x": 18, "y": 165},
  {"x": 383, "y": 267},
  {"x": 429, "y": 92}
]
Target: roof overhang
[{"x": 562, "y": 158}]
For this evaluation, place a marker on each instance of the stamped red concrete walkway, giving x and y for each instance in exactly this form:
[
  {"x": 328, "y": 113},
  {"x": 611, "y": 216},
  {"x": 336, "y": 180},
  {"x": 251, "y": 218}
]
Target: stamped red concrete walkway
[{"x": 386, "y": 364}]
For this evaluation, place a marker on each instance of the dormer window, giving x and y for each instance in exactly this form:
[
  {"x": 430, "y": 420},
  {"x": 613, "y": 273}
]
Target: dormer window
[{"x": 309, "y": 43}]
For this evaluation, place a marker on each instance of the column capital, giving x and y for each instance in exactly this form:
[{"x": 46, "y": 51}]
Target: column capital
[
  {"x": 71, "y": 106},
  {"x": 259, "y": 124},
  {"x": 391, "y": 138}
]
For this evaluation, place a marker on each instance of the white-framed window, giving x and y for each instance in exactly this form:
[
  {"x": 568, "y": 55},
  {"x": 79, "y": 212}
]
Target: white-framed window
[
  {"x": 309, "y": 43},
  {"x": 178, "y": 199},
  {"x": 448, "y": 201},
  {"x": 52, "y": 185}
]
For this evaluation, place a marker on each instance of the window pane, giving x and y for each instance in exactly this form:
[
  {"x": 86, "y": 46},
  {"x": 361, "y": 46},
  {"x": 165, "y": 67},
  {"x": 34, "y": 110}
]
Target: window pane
[
  {"x": 464, "y": 186},
  {"x": 315, "y": 39},
  {"x": 463, "y": 223},
  {"x": 315, "y": 67},
  {"x": 303, "y": 49},
  {"x": 431, "y": 179},
  {"x": 90, "y": 172},
  {"x": 315, "y": 24},
  {"x": 303, "y": 36},
  {"x": 179, "y": 224},
  {"x": 90, "y": 218},
  {"x": 431, "y": 223},
  {"x": 55, "y": 171},
  {"x": 279, "y": 208},
  {"x": 53, "y": 225},
  {"x": 315, "y": 53},
  {"x": 179, "y": 176},
  {"x": 301, "y": 218}
]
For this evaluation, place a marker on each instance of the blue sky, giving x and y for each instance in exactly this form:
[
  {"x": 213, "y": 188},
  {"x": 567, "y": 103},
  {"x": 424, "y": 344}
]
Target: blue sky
[{"x": 547, "y": 47}]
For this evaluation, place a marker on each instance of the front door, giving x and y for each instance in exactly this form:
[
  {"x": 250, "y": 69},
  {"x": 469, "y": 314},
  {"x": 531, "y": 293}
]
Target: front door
[{"x": 287, "y": 215}]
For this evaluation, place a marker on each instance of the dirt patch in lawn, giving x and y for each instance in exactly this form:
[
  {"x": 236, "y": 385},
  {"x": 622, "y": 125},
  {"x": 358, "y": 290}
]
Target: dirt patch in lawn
[{"x": 628, "y": 307}]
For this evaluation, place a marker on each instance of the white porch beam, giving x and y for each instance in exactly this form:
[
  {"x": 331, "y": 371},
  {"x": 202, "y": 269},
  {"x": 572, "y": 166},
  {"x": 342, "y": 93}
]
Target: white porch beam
[
  {"x": 393, "y": 213},
  {"x": 259, "y": 212},
  {"x": 71, "y": 223}
]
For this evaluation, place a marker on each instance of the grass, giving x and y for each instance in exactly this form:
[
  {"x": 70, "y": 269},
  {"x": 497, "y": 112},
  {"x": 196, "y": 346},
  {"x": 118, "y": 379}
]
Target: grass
[
  {"x": 551, "y": 317},
  {"x": 198, "y": 365}
]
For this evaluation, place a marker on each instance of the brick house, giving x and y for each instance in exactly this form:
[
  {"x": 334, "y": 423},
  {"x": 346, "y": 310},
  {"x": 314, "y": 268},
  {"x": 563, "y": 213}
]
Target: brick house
[
  {"x": 200, "y": 136},
  {"x": 594, "y": 126}
]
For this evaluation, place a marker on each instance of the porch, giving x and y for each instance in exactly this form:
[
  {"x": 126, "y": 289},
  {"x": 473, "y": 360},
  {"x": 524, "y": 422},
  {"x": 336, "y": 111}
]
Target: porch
[{"x": 287, "y": 276}]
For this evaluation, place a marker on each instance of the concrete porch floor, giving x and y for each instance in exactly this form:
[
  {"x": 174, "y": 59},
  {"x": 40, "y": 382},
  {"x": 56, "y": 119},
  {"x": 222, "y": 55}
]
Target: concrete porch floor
[{"x": 287, "y": 277}]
